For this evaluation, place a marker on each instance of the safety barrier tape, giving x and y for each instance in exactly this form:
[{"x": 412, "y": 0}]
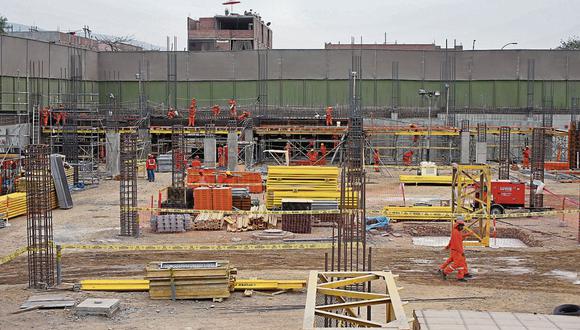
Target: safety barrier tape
[
  {"x": 181, "y": 247},
  {"x": 498, "y": 216},
  {"x": 233, "y": 212}
]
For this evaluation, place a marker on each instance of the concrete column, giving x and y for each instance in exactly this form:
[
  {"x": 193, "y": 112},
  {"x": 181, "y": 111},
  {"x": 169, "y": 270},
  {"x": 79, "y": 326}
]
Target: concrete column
[
  {"x": 249, "y": 150},
  {"x": 465, "y": 137},
  {"x": 113, "y": 140},
  {"x": 209, "y": 145},
  {"x": 232, "y": 151},
  {"x": 481, "y": 152}
]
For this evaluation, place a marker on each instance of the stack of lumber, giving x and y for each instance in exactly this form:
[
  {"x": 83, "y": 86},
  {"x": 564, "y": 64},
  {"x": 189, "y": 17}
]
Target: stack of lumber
[
  {"x": 190, "y": 279},
  {"x": 256, "y": 221},
  {"x": 208, "y": 221},
  {"x": 14, "y": 204},
  {"x": 311, "y": 182}
]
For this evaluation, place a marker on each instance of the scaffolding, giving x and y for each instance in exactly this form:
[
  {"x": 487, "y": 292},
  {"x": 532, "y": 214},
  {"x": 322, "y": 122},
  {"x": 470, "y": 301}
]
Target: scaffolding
[
  {"x": 128, "y": 185},
  {"x": 41, "y": 261}
]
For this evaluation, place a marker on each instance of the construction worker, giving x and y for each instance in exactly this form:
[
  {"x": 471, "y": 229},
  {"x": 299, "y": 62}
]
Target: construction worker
[
  {"x": 196, "y": 163},
  {"x": 221, "y": 157},
  {"x": 456, "y": 260},
  {"x": 408, "y": 157},
  {"x": 216, "y": 110},
  {"x": 244, "y": 115},
  {"x": 413, "y": 127},
  {"x": 192, "y": 113},
  {"x": 376, "y": 159},
  {"x": 336, "y": 140},
  {"x": 288, "y": 148},
  {"x": 312, "y": 156},
  {"x": 526, "y": 157},
  {"x": 171, "y": 113},
  {"x": 45, "y": 115},
  {"x": 322, "y": 154},
  {"x": 63, "y": 116},
  {"x": 233, "y": 109},
  {"x": 329, "y": 116},
  {"x": 151, "y": 166}
]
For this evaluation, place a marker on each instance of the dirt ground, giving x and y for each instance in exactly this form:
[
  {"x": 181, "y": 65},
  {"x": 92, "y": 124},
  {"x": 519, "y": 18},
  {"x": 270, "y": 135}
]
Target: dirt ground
[{"x": 533, "y": 279}]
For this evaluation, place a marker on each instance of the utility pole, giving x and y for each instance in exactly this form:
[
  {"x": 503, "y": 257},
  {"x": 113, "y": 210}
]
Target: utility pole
[{"x": 429, "y": 95}]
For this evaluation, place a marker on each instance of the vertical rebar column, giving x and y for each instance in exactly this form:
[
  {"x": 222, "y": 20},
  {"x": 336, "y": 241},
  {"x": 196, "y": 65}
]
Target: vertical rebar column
[
  {"x": 178, "y": 157},
  {"x": 504, "y": 153},
  {"x": 128, "y": 185},
  {"x": 574, "y": 145},
  {"x": 39, "y": 217},
  {"x": 537, "y": 167}
]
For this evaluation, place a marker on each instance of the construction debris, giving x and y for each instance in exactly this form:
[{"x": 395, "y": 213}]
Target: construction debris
[
  {"x": 257, "y": 221},
  {"x": 48, "y": 301},
  {"x": 97, "y": 306},
  {"x": 208, "y": 221}
]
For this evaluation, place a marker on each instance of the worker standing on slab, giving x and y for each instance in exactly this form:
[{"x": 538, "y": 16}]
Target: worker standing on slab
[
  {"x": 288, "y": 149},
  {"x": 171, "y": 113},
  {"x": 192, "y": 113},
  {"x": 312, "y": 156},
  {"x": 233, "y": 109},
  {"x": 329, "y": 111},
  {"x": 456, "y": 260},
  {"x": 526, "y": 153},
  {"x": 323, "y": 152},
  {"x": 408, "y": 157},
  {"x": 44, "y": 115},
  {"x": 376, "y": 159},
  {"x": 244, "y": 116},
  {"x": 221, "y": 158},
  {"x": 196, "y": 163},
  {"x": 151, "y": 166},
  {"x": 216, "y": 110}
]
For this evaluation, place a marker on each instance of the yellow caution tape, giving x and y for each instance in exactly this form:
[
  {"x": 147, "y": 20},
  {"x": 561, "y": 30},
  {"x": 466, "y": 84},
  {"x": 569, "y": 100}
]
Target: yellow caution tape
[
  {"x": 233, "y": 212},
  {"x": 499, "y": 216},
  {"x": 13, "y": 255},
  {"x": 200, "y": 247}
]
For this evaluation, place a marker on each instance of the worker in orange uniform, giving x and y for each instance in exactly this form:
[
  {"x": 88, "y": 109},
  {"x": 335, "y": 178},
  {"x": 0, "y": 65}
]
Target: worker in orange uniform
[
  {"x": 329, "y": 116},
  {"x": 192, "y": 113},
  {"x": 221, "y": 158},
  {"x": 233, "y": 108},
  {"x": 322, "y": 154},
  {"x": 196, "y": 163},
  {"x": 45, "y": 115},
  {"x": 526, "y": 157},
  {"x": 215, "y": 110},
  {"x": 456, "y": 260},
  {"x": 408, "y": 157},
  {"x": 151, "y": 166},
  {"x": 63, "y": 117},
  {"x": 171, "y": 113},
  {"x": 376, "y": 159},
  {"x": 244, "y": 115},
  {"x": 312, "y": 156}
]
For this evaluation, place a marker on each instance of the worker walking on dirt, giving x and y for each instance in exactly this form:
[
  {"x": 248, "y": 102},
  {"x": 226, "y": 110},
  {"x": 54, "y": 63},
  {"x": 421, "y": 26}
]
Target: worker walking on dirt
[
  {"x": 192, "y": 113},
  {"x": 376, "y": 159},
  {"x": 151, "y": 166},
  {"x": 408, "y": 157},
  {"x": 526, "y": 157},
  {"x": 329, "y": 111},
  {"x": 456, "y": 260}
]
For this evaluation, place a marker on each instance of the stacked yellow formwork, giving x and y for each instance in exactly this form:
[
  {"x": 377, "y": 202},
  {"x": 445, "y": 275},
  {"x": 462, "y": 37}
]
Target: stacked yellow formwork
[{"x": 305, "y": 182}]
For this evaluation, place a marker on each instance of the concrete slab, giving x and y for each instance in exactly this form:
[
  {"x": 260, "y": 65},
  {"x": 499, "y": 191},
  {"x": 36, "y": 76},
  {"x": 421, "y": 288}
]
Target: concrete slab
[
  {"x": 97, "y": 306},
  {"x": 48, "y": 301},
  {"x": 472, "y": 320}
]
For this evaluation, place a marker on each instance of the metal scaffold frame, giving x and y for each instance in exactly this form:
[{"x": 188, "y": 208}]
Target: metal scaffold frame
[
  {"x": 471, "y": 197},
  {"x": 331, "y": 301},
  {"x": 128, "y": 185},
  {"x": 41, "y": 260}
]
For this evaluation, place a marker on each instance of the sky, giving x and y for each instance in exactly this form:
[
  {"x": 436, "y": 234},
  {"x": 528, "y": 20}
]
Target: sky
[{"x": 307, "y": 24}]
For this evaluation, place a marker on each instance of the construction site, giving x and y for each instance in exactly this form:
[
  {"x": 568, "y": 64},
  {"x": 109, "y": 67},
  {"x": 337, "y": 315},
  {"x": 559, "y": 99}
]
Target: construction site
[{"x": 234, "y": 185}]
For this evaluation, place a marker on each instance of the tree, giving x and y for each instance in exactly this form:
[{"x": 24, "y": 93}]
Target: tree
[
  {"x": 573, "y": 43},
  {"x": 114, "y": 42},
  {"x": 3, "y": 24}
]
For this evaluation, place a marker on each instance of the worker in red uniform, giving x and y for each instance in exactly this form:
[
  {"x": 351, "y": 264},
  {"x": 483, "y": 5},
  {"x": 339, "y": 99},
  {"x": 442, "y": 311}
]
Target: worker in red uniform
[
  {"x": 322, "y": 154},
  {"x": 376, "y": 159},
  {"x": 63, "y": 117},
  {"x": 215, "y": 110},
  {"x": 414, "y": 128},
  {"x": 244, "y": 115},
  {"x": 408, "y": 157},
  {"x": 56, "y": 118},
  {"x": 171, "y": 113},
  {"x": 196, "y": 163},
  {"x": 151, "y": 166},
  {"x": 192, "y": 113},
  {"x": 336, "y": 140},
  {"x": 456, "y": 260},
  {"x": 312, "y": 156},
  {"x": 221, "y": 158},
  {"x": 288, "y": 148},
  {"x": 526, "y": 153},
  {"x": 45, "y": 115},
  {"x": 328, "y": 116},
  {"x": 233, "y": 109}
]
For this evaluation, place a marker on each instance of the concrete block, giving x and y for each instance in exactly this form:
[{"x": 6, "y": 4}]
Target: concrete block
[{"x": 96, "y": 306}]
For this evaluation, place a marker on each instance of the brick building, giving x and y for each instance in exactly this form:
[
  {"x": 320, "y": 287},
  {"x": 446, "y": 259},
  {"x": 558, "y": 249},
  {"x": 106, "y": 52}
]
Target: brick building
[{"x": 228, "y": 32}]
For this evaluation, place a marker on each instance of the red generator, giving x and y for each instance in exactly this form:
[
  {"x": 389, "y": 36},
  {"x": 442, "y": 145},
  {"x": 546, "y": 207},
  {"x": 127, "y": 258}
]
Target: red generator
[{"x": 507, "y": 195}]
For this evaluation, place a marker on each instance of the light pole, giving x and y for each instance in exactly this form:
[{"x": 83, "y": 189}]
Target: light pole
[
  {"x": 429, "y": 95},
  {"x": 509, "y": 43}
]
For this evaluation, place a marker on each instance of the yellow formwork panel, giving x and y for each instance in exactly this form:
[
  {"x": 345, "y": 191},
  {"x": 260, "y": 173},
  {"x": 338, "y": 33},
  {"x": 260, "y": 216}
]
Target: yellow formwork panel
[
  {"x": 115, "y": 285},
  {"x": 414, "y": 213},
  {"x": 444, "y": 180}
]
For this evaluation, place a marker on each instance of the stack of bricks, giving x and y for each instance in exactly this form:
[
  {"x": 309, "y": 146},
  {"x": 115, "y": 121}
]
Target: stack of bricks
[
  {"x": 202, "y": 198},
  {"x": 171, "y": 223},
  {"x": 222, "y": 198}
]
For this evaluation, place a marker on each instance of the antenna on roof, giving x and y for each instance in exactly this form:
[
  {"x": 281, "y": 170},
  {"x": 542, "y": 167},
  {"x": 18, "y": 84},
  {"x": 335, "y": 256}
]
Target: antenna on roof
[{"x": 231, "y": 4}]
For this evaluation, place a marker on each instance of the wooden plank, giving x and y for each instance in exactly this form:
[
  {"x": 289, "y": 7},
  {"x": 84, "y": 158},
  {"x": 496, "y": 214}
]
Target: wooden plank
[
  {"x": 341, "y": 299},
  {"x": 350, "y": 319},
  {"x": 353, "y": 304},
  {"x": 348, "y": 281},
  {"x": 351, "y": 294},
  {"x": 400, "y": 316},
  {"x": 310, "y": 306}
]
